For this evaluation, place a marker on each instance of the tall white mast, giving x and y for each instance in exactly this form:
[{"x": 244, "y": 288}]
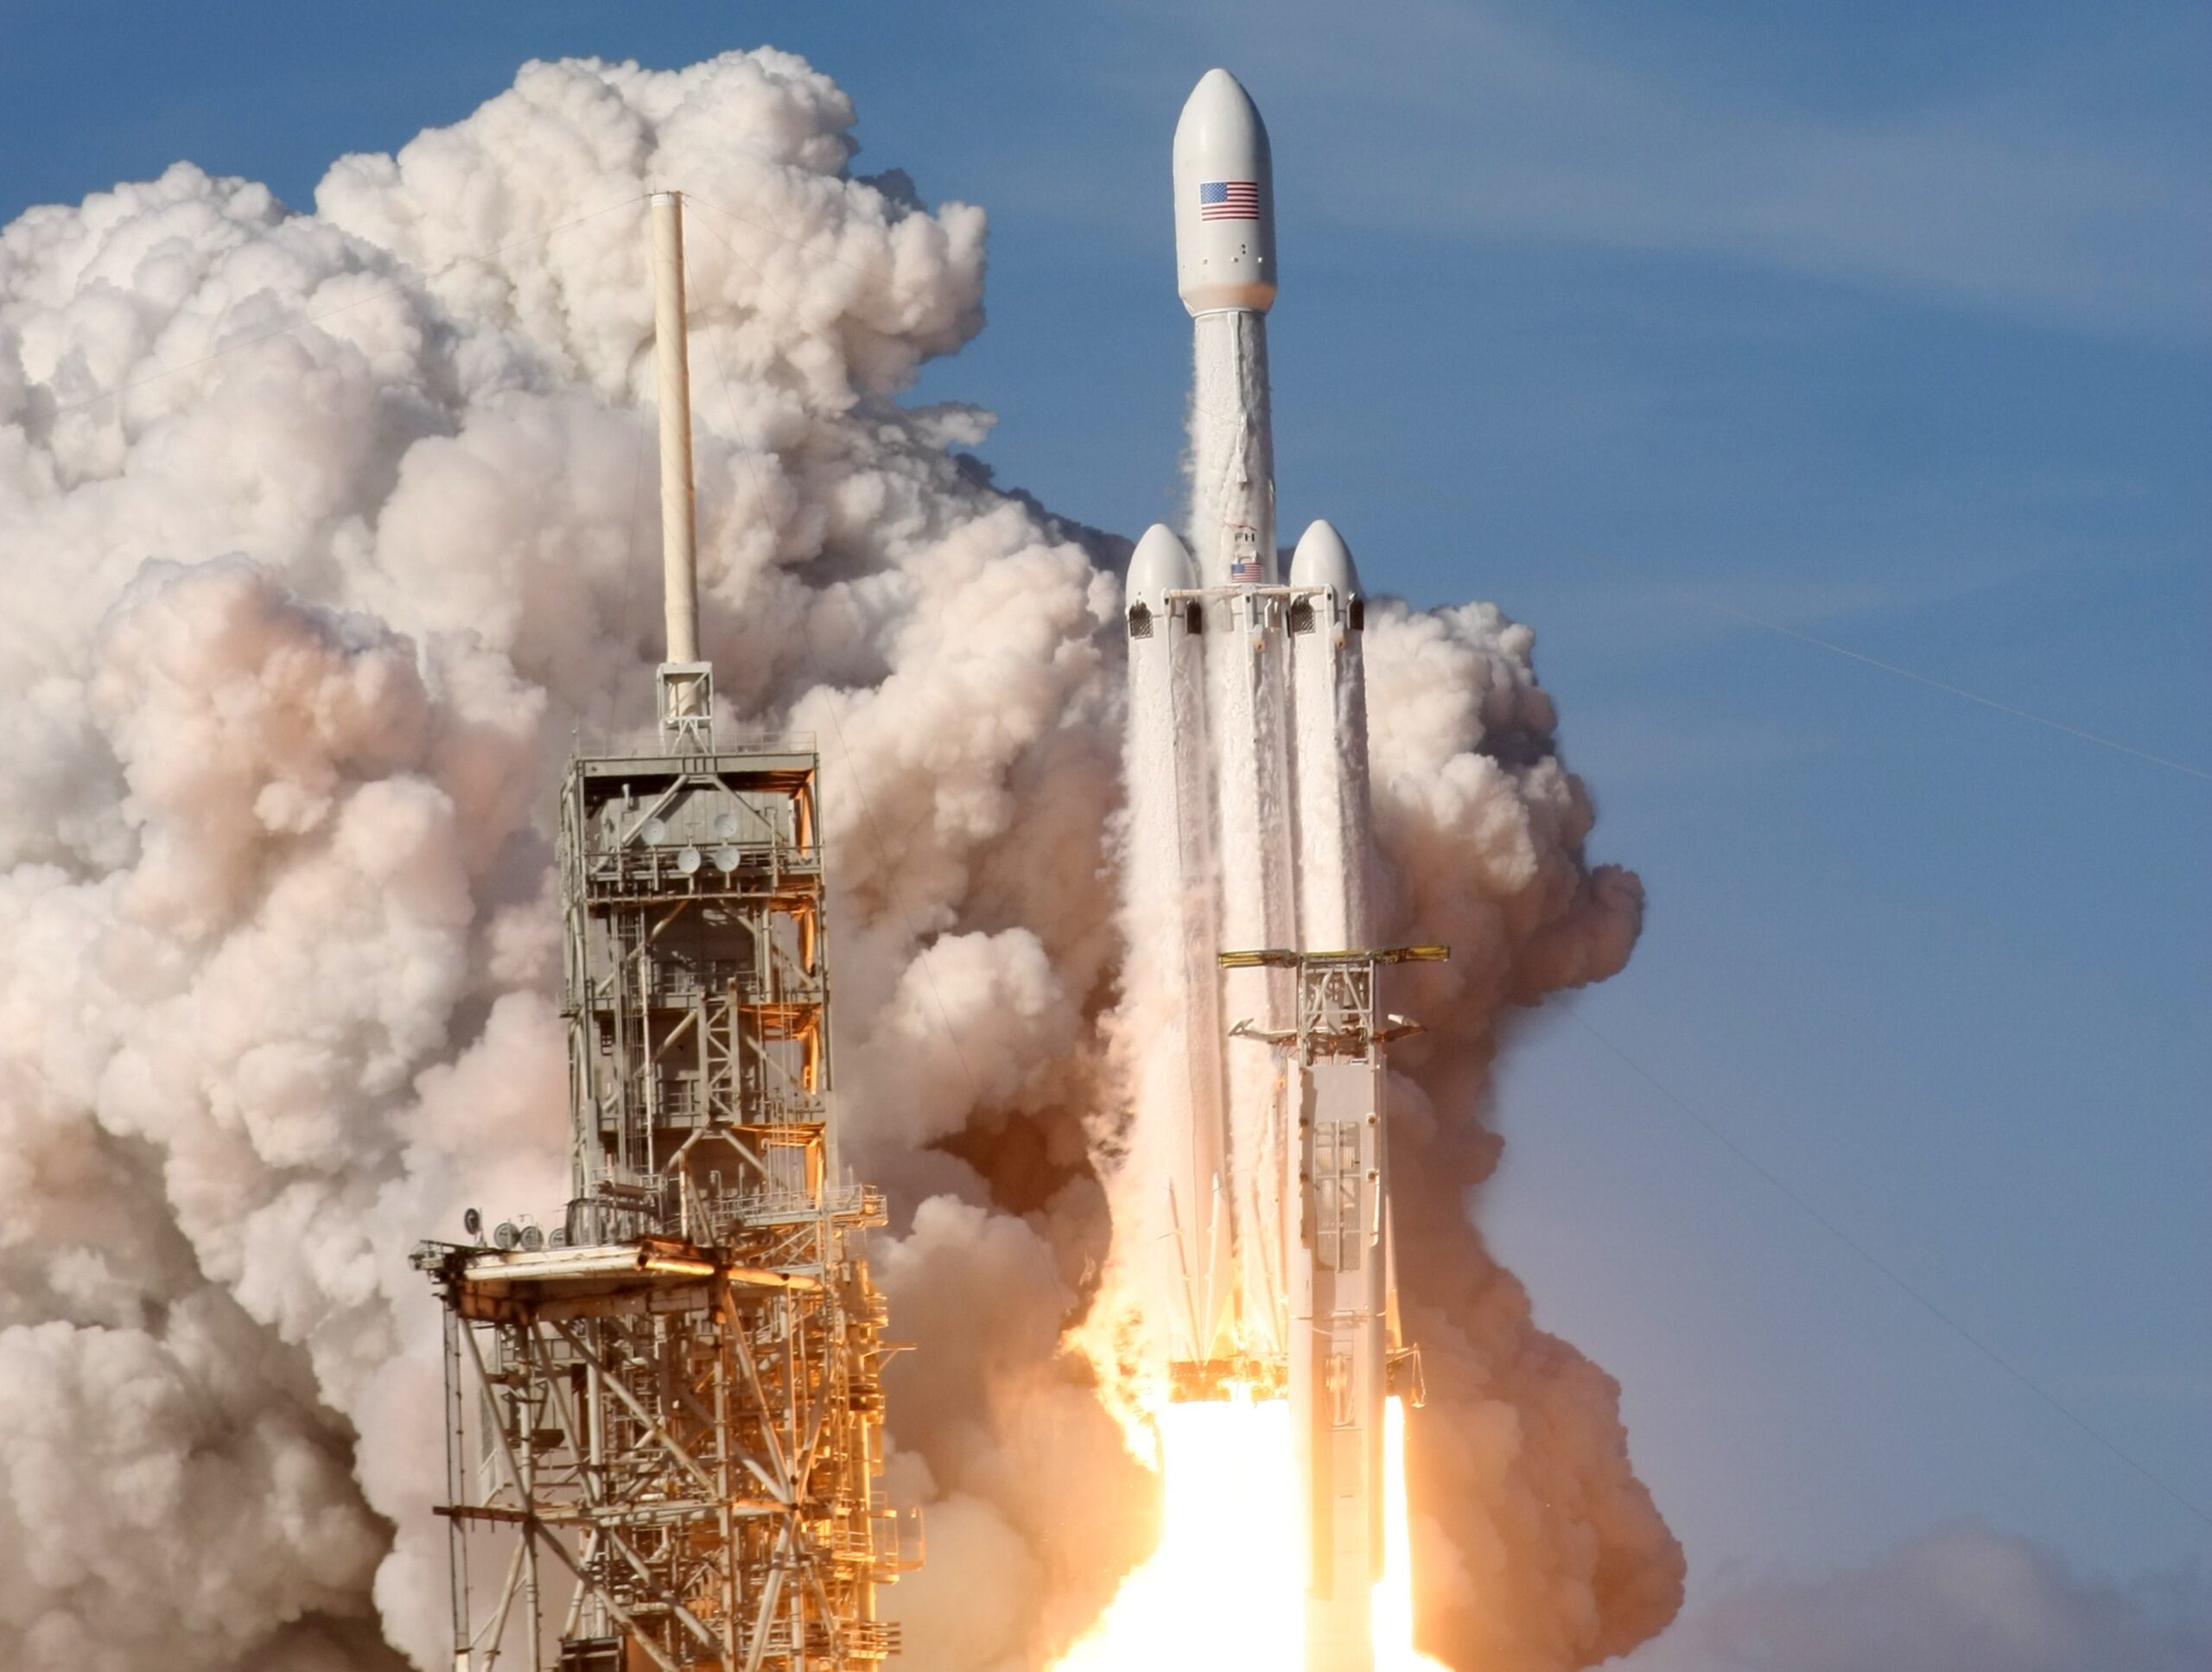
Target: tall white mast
[{"x": 686, "y": 682}]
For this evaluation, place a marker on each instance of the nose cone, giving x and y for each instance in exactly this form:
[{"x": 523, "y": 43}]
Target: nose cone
[
  {"x": 1160, "y": 564},
  {"x": 1322, "y": 559},
  {"x": 1224, "y": 201}
]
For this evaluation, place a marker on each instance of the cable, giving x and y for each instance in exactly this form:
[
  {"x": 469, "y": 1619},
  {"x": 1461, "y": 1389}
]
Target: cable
[
  {"x": 1713, "y": 1131},
  {"x": 1776, "y": 628}
]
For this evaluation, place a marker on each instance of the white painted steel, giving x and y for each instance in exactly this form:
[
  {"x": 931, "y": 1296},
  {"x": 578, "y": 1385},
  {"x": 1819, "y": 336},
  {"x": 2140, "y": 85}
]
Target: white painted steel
[{"x": 679, "y": 553}]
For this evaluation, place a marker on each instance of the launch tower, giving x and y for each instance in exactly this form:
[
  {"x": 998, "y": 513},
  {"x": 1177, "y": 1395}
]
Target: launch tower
[{"x": 664, "y": 1412}]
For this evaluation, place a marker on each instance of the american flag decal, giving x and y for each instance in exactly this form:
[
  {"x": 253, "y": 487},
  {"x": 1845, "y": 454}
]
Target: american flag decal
[
  {"x": 1243, "y": 554},
  {"x": 1229, "y": 200}
]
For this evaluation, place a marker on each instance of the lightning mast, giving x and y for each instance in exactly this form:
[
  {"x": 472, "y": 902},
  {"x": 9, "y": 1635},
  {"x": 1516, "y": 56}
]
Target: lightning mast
[{"x": 664, "y": 1414}]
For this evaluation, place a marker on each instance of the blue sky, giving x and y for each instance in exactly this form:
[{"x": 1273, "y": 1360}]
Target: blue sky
[{"x": 1886, "y": 323}]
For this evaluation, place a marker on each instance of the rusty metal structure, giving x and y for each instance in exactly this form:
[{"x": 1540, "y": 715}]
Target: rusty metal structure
[
  {"x": 664, "y": 1412},
  {"x": 668, "y": 1411}
]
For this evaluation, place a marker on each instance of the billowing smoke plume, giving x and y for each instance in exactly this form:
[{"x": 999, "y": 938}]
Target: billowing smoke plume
[{"x": 320, "y": 535}]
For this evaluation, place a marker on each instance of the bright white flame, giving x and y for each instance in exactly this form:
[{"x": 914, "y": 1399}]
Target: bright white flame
[
  {"x": 1222, "y": 1589},
  {"x": 1394, "y": 1594}
]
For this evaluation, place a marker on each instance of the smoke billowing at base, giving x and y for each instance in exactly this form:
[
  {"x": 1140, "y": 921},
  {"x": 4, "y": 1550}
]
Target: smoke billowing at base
[{"x": 295, "y": 639}]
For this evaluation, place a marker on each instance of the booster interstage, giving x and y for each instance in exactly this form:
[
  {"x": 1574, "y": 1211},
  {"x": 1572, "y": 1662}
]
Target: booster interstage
[{"x": 1260, "y": 1096}]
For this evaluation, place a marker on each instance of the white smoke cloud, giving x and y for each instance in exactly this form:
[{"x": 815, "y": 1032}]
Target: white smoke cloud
[
  {"x": 223, "y": 1503},
  {"x": 321, "y": 535},
  {"x": 1962, "y": 1596}
]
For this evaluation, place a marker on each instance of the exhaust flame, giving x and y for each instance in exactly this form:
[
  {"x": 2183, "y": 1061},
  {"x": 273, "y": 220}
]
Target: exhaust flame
[{"x": 1221, "y": 1587}]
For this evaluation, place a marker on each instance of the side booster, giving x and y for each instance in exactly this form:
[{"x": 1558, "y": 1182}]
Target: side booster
[
  {"x": 1176, "y": 918},
  {"x": 1338, "y": 1258}
]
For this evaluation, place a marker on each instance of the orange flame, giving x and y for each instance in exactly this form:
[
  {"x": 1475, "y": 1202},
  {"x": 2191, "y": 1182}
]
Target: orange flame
[{"x": 1223, "y": 1587}]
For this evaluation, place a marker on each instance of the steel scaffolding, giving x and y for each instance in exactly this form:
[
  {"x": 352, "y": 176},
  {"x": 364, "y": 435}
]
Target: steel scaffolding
[{"x": 664, "y": 1414}]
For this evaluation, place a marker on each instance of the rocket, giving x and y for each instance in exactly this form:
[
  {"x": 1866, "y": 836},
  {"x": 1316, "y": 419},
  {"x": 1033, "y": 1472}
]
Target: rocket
[{"x": 1248, "y": 837}]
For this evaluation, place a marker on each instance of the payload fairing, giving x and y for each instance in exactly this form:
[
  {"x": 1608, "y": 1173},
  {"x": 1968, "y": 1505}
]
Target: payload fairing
[{"x": 1249, "y": 841}]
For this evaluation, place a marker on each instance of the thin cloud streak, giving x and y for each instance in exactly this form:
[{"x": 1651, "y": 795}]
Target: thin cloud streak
[
  {"x": 1964, "y": 1597},
  {"x": 2055, "y": 198}
]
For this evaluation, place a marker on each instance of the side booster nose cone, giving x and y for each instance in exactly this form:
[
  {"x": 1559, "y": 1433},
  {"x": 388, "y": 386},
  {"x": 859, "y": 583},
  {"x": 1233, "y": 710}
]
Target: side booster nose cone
[
  {"x": 1324, "y": 559},
  {"x": 1161, "y": 564},
  {"x": 1224, "y": 201}
]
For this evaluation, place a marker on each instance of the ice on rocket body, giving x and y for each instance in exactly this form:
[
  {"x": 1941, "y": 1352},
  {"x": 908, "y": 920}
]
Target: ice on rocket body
[{"x": 1250, "y": 825}]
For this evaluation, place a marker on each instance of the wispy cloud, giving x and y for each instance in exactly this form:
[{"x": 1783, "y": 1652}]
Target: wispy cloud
[
  {"x": 2073, "y": 193},
  {"x": 1635, "y": 610},
  {"x": 1613, "y": 744},
  {"x": 1960, "y": 1598}
]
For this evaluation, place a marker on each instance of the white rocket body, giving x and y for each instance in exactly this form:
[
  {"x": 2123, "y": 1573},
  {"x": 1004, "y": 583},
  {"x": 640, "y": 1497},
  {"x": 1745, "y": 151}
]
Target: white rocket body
[
  {"x": 1329, "y": 707},
  {"x": 1249, "y": 830},
  {"x": 1340, "y": 1313},
  {"x": 1175, "y": 924}
]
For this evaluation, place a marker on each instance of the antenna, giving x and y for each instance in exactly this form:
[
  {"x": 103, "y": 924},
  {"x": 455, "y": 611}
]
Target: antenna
[{"x": 686, "y": 684}]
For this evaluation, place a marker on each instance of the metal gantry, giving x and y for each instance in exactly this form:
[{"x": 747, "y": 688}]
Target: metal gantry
[
  {"x": 1334, "y": 1054},
  {"x": 664, "y": 1414}
]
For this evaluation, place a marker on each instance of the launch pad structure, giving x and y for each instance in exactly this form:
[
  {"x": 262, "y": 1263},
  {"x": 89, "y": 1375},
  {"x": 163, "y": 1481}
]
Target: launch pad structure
[{"x": 664, "y": 1414}]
